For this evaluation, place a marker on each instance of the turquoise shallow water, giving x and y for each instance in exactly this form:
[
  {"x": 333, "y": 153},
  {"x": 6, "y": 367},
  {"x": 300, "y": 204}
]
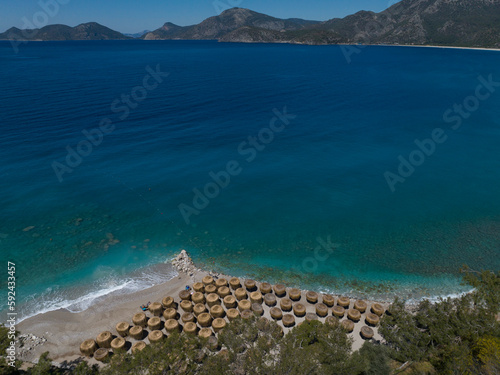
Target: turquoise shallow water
[{"x": 307, "y": 205}]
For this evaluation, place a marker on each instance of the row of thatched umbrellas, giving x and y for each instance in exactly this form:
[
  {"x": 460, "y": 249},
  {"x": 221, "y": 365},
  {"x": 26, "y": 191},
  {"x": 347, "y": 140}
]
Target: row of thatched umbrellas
[{"x": 206, "y": 306}]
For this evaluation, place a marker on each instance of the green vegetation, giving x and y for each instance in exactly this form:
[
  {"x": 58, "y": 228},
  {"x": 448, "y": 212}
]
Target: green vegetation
[{"x": 454, "y": 336}]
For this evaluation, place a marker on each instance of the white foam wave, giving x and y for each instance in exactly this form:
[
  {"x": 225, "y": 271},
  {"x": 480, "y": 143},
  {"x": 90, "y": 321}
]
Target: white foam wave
[
  {"x": 80, "y": 299},
  {"x": 438, "y": 298}
]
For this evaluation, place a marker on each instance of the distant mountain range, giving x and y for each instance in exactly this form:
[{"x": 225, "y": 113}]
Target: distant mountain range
[
  {"x": 85, "y": 31},
  {"x": 467, "y": 23},
  {"x": 138, "y": 35}
]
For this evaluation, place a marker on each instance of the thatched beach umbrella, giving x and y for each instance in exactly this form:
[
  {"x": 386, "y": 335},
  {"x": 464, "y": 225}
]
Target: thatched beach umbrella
[
  {"x": 104, "y": 339},
  {"x": 140, "y": 319},
  {"x": 360, "y": 306},
  {"x": 257, "y": 309},
  {"x": 348, "y": 325},
  {"x": 378, "y": 309},
  {"x": 344, "y": 302},
  {"x": 137, "y": 332},
  {"x": 331, "y": 320},
  {"x": 218, "y": 324},
  {"x": 101, "y": 355},
  {"x": 312, "y": 297},
  {"x": 185, "y": 295},
  {"x": 217, "y": 311},
  {"x": 88, "y": 347},
  {"x": 198, "y": 297},
  {"x": 172, "y": 325},
  {"x": 199, "y": 287},
  {"x": 366, "y": 332},
  {"x": 288, "y": 320},
  {"x": 155, "y": 336},
  {"x": 199, "y": 308},
  {"x": 321, "y": 310},
  {"x": 265, "y": 288},
  {"x": 280, "y": 290},
  {"x": 220, "y": 282},
  {"x": 244, "y": 304},
  {"x": 310, "y": 317},
  {"x": 234, "y": 283},
  {"x": 299, "y": 309},
  {"x": 229, "y": 302},
  {"x": 210, "y": 289},
  {"x": 286, "y": 304},
  {"x": 138, "y": 347},
  {"x": 372, "y": 319},
  {"x": 270, "y": 299},
  {"x": 191, "y": 328},
  {"x": 338, "y": 311},
  {"x": 256, "y": 297},
  {"x": 187, "y": 317},
  {"x": 276, "y": 313},
  {"x": 122, "y": 329},
  {"x": 246, "y": 314},
  {"x": 167, "y": 302},
  {"x": 250, "y": 285},
  {"x": 156, "y": 308},
  {"x": 187, "y": 306},
  {"x": 263, "y": 324},
  {"x": 240, "y": 294},
  {"x": 205, "y": 332},
  {"x": 213, "y": 299},
  {"x": 354, "y": 315},
  {"x": 213, "y": 343},
  {"x": 154, "y": 324},
  {"x": 295, "y": 294},
  {"x": 232, "y": 314},
  {"x": 328, "y": 300},
  {"x": 204, "y": 320},
  {"x": 223, "y": 291},
  {"x": 170, "y": 314},
  {"x": 118, "y": 345},
  {"x": 208, "y": 280}
]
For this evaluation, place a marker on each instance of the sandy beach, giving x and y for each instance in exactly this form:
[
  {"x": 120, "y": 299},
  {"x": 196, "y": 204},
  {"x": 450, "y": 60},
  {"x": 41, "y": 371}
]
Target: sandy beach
[{"x": 64, "y": 331}]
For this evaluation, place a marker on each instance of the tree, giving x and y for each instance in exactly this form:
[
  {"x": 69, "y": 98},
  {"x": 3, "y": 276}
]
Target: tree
[
  {"x": 371, "y": 359},
  {"x": 315, "y": 348}
]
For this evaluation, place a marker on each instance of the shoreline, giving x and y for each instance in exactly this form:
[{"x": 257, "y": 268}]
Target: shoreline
[
  {"x": 261, "y": 42},
  {"x": 61, "y": 332}
]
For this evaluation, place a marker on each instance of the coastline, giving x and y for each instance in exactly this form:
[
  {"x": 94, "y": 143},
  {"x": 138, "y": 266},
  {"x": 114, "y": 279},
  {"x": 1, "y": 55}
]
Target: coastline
[
  {"x": 61, "y": 332},
  {"x": 263, "y": 42},
  {"x": 434, "y": 46}
]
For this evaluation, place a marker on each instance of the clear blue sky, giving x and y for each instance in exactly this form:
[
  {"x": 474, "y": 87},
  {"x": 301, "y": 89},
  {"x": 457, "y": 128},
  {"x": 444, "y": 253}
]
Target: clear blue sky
[{"x": 131, "y": 16}]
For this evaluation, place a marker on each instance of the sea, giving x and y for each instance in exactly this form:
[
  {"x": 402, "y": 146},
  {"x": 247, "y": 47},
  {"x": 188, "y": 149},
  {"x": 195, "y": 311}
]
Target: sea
[{"x": 369, "y": 171}]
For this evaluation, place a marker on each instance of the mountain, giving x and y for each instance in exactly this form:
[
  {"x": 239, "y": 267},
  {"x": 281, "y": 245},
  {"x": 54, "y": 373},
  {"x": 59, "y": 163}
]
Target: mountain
[
  {"x": 466, "y": 23},
  {"x": 229, "y": 21},
  {"x": 85, "y": 31},
  {"x": 167, "y": 31},
  {"x": 138, "y": 35}
]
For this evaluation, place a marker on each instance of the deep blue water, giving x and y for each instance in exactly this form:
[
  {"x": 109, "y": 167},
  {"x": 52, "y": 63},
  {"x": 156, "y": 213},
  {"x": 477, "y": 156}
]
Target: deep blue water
[{"x": 319, "y": 175}]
